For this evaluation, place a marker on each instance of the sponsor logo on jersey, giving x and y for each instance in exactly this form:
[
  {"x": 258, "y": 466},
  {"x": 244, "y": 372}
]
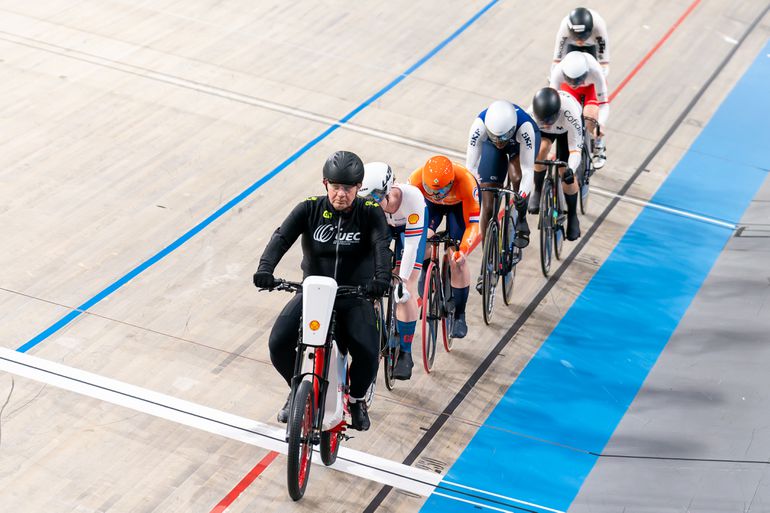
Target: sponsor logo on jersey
[
  {"x": 476, "y": 193},
  {"x": 527, "y": 139},
  {"x": 313, "y": 198},
  {"x": 572, "y": 119},
  {"x": 475, "y": 136},
  {"x": 326, "y": 232},
  {"x": 370, "y": 203},
  {"x": 413, "y": 218},
  {"x": 327, "y": 214}
]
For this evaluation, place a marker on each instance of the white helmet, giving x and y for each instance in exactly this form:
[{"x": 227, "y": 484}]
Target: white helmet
[
  {"x": 574, "y": 68},
  {"x": 378, "y": 179},
  {"x": 500, "y": 121}
]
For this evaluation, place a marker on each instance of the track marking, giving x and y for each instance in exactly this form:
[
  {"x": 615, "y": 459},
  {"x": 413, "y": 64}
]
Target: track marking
[{"x": 245, "y": 482}]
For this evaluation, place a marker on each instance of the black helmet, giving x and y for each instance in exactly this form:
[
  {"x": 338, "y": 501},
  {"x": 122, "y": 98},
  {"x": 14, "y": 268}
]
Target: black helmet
[
  {"x": 546, "y": 104},
  {"x": 581, "y": 23},
  {"x": 344, "y": 167}
]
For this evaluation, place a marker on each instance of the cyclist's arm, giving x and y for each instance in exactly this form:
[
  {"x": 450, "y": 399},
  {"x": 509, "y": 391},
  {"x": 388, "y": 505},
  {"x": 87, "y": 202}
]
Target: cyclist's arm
[
  {"x": 557, "y": 79},
  {"x": 284, "y": 236},
  {"x": 471, "y": 212},
  {"x": 602, "y": 91},
  {"x": 560, "y": 46},
  {"x": 381, "y": 236},
  {"x": 526, "y": 137},
  {"x": 602, "y": 42},
  {"x": 476, "y": 136},
  {"x": 414, "y": 206},
  {"x": 571, "y": 115}
]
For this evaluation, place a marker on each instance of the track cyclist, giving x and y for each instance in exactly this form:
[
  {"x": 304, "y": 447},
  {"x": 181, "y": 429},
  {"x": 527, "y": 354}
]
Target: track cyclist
[
  {"x": 580, "y": 75},
  {"x": 503, "y": 141},
  {"x": 558, "y": 116},
  {"x": 583, "y": 30},
  {"x": 451, "y": 192},
  {"x": 346, "y": 238},
  {"x": 406, "y": 213}
]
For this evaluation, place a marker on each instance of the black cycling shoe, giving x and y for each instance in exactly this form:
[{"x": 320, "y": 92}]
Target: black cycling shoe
[
  {"x": 403, "y": 367},
  {"x": 459, "y": 329},
  {"x": 573, "y": 228},
  {"x": 480, "y": 285},
  {"x": 534, "y": 202},
  {"x": 359, "y": 416},
  {"x": 283, "y": 415},
  {"x": 521, "y": 240}
]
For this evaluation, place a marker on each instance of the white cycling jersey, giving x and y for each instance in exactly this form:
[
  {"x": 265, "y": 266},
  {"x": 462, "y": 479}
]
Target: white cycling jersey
[
  {"x": 411, "y": 215},
  {"x": 568, "y": 122},
  {"x": 595, "y": 77},
  {"x": 597, "y": 39}
]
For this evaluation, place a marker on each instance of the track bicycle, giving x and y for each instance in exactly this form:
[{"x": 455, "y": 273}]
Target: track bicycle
[
  {"x": 437, "y": 301},
  {"x": 320, "y": 387},
  {"x": 552, "y": 216},
  {"x": 500, "y": 255}
]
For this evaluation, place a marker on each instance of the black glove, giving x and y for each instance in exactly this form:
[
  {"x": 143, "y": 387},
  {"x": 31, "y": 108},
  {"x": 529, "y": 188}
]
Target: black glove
[
  {"x": 376, "y": 288},
  {"x": 520, "y": 202},
  {"x": 264, "y": 280},
  {"x": 569, "y": 176}
]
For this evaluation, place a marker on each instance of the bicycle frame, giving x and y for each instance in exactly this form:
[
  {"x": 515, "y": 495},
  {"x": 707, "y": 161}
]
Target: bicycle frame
[{"x": 499, "y": 194}]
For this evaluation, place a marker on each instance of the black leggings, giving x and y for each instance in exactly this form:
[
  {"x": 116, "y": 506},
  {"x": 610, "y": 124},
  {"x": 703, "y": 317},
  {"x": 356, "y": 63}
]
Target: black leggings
[{"x": 356, "y": 332}]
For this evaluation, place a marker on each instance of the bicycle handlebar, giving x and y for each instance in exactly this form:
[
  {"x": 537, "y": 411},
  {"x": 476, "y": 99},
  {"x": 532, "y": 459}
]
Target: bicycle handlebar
[
  {"x": 558, "y": 163},
  {"x": 442, "y": 236},
  {"x": 342, "y": 290}
]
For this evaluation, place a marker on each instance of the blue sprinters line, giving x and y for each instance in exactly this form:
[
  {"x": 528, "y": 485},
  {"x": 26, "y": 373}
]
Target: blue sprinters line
[
  {"x": 567, "y": 401},
  {"x": 240, "y": 197}
]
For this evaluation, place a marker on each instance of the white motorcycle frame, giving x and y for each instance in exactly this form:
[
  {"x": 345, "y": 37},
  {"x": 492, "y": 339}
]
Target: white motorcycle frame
[{"x": 318, "y": 296}]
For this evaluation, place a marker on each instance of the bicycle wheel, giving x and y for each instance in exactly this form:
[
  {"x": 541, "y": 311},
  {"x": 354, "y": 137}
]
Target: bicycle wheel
[
  {"x": 447, "y": 308},
  {"x": 300, "y": 450},
  {"x": 558, "y": 224},
  {"x": 430, "y": 317},
  {"x": 390, "y": 352},
  {"x": 491, "y": 261},
  {"x": 330, "y": 445},
  {"x": 585, "y": 178},
  {"x": 546, "y": 227},
  {"x": 509, "y": 264}
]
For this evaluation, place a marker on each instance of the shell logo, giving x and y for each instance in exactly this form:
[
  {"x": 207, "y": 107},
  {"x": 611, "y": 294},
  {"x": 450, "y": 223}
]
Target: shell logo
[
  {"x": 413, "y": 218},
  {"x": 314, "y": 325}
]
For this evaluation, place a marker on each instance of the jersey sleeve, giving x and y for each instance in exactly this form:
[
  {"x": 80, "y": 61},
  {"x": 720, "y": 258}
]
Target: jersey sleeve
[
  {"x": 526, "y": 137},
  {"x": 468, "y": 193},
  {"x": 556, "y": 79},
  {"x": 476, "y": 137},
  {"x": 562, "y": 35},
  {"x": 413, "y": 205},
  {"x": 571, "y": 114},
  {"x": 285, "y": 236},
  {"x": 380, "y": 241},
  {"x": 602, "y": 42}
]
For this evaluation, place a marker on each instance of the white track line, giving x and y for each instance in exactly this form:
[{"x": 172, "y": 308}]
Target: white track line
[
  {"x": 224, "y": 93},
  {"x": 504, "y": 497},
  {"x": 220, "y": 423},
  {"x": 682, "y": 213}
]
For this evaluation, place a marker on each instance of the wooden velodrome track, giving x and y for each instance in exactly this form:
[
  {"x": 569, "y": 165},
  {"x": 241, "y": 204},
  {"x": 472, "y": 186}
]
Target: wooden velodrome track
[{"x": 127, "y": 124}]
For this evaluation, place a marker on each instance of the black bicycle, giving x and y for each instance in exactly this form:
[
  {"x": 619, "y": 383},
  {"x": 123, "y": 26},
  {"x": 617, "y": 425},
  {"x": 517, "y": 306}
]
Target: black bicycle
[
  {"x": 552, "y": 215},
  {"x": 387, "y": 326},
  {"x": 500, "y": 256}
]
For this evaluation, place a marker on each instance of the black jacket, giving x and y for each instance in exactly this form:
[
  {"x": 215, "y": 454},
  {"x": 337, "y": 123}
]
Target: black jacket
[{"x": 351, "y": 247}]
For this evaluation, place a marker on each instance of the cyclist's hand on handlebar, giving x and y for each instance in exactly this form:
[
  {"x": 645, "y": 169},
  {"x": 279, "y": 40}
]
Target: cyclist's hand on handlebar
[
  {"x": 264, "y": 280},
  {"x": 520, "y": 201},
  {"x": 401, "y": 295},
  {"x": 376, "y": 288},
  {"x": 459, "y": 257}
]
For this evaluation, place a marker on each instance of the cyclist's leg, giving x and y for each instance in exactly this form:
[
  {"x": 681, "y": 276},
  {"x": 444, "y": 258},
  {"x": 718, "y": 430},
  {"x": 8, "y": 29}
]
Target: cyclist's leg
[
  {"x": 434, "y": 216},
  {"x": 283, "y": 344},
  {"x": 545, "y": 147},
  {"x": 492, "y": 169},
  {"x": 591, "y": 110},
  {"x": 461, "y": 272},
  {"x": 521, "y": 239},
  {"x": 357, "y": 332},
  {"x": 570, "y": 186},
  {"x": 408, "y": 313}
]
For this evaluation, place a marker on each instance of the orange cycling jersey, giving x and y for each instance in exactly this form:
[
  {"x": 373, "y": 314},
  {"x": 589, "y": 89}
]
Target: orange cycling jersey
[{"x": 464, "y": 190}]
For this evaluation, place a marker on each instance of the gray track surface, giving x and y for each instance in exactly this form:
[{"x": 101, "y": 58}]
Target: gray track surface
[{"x": 697, "y": 436}]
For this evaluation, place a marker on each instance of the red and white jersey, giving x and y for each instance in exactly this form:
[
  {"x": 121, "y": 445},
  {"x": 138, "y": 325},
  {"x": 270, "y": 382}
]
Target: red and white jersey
[
  {"x": 598, "y": 39},
  {"x": 411, "y": 215},
  {"x": 595, "y": 85},
  {"x": 568, "y": 122}
]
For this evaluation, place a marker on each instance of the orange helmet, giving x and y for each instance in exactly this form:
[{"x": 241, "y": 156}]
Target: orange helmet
[{"x": 438, "y": 176}]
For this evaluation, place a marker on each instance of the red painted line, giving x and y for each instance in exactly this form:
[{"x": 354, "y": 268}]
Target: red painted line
[
  {"x": 654, "y": 49},
  {"x": 267, "y": 460},
  {"x": 244, "y": 483}
]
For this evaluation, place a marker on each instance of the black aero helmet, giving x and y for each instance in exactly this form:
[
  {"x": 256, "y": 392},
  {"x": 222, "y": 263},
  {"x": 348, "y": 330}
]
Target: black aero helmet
[
  {"x": 546, "y": 104},
  {"x": 344, "y": 167},
  {"x": 581, "y": 23}
]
